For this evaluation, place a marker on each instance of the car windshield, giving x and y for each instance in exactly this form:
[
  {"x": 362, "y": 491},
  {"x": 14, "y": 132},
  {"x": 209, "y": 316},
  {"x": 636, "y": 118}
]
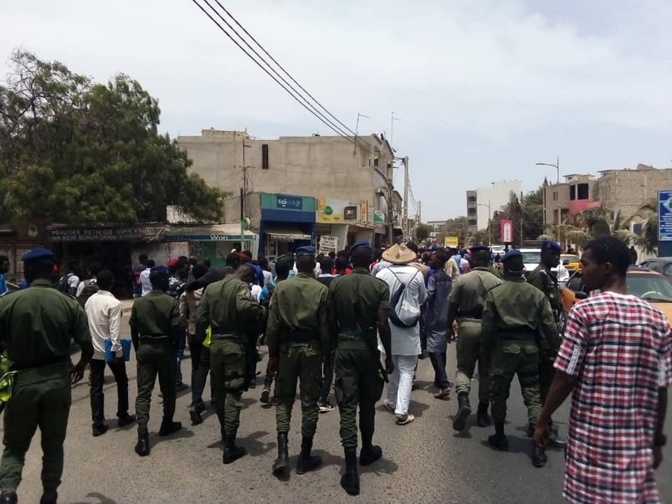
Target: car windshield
[
  {"x": 650, "y": 287},
  {"x": 570, "y": 258},
  {"x": 532, "y": 257}
]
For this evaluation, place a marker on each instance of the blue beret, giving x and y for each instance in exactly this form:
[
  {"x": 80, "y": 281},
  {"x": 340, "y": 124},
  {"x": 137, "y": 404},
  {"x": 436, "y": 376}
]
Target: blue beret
[
  {"x": 305, "y": 251},
  {"x": 361, "y": 244},
  {"x": 511, "y": 254},
  {"x": 37, "y": 254},
  {"x": 551, "y": 245},
  {"x": 160, "y": 269},
  {"x": 480, "y": 248}
]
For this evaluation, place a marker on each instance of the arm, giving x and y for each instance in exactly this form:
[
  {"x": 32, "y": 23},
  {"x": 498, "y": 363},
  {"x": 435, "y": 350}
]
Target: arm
[
  {"x": 82, "y": 335},
  {"x": 333, "y": 318},
  {"x": 384, "y": 331},
  {"x": 175, "y": 322},
  {"x": 562, "y": 386},
  {"x": 323, "y": 322},
  {"x": 548, "y": 331},
  {"x": 115, "y": 328},
  {"x": 489, "y": 323},
  {"x": 246, "y": 306},
  {"x": 203, "y": 316},
  {"x": 133, "y": 322},
  {"x": 184, "y": 310},
  {"x": 431, "y": 289}
]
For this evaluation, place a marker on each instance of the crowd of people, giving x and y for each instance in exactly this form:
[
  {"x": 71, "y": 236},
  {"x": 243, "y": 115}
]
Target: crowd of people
[{"x": 353, "y": 322}]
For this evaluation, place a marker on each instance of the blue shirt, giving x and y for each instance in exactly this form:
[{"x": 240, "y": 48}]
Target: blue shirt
[
  {"x": 264, "y": 291},
  {"x": 3, "y": 285}
]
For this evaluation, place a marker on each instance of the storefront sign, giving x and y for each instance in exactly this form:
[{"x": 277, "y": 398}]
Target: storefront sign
[
  {"x": 506, "y": 231},
  {"x": 378, "y": 217},
  {"x": 330, "y": 211},
  {"x": 451, "y": 241},
  {"x": 105, "y": 234},
  {"x": 328, "y": 244},
  {"x": 364, "y": 211},
  {"x": 289, "y": 202}
]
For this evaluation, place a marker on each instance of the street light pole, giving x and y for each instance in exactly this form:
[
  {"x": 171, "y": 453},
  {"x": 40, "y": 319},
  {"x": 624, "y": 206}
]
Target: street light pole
[
  {"x": 489, "y": 222},
  {"x": 557, "y": 172}
]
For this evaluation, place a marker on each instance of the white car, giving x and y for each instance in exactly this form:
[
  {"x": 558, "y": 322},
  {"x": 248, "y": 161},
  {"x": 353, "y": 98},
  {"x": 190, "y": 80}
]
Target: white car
[{"x": 532, "y": 258}]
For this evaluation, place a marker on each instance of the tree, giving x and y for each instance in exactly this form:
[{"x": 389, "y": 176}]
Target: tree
[
  {"x": 526, "y": 210},
  {"x": 596, "y": 223},
  {"x": 77, "y": 152},
  {"x": 457, "y": 226},
  {"x": 422, "y": 232},
  {"x": 647, "y": 216}
]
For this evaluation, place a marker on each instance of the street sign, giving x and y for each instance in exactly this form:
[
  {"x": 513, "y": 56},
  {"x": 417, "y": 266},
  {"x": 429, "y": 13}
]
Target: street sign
[
  {"x": 451, "y": 241},
  {"x": 665, "y": 216},
  {"x": 506, "y": 231}
]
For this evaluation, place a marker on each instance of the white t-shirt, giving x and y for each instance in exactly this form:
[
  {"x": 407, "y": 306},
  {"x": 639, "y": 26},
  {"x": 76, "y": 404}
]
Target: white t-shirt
[
  {"x": 145, "y": 282},
  {"x": 73, "y": 283},
  {"x": 405, "y": 340}
]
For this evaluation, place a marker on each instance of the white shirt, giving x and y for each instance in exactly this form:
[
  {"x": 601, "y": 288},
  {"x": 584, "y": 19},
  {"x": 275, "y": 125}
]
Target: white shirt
[
  {"x": 563, "y": 274},
  {"x": 405, "y": 340},
  {"x": 144, "y": 281},
  {"x": 73, "y": 283},
  {"x": 255, "y": 290},
  {"x": 104, "y": 312},
  {"x": 380, "y": 266},
  {"x": 268, "y": 277}
]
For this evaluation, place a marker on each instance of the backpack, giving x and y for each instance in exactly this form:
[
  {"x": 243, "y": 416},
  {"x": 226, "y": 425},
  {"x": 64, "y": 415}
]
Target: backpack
[
  {"x": 404, "y": 310},
  {"x": 64, "y": 284},
  {"x": 90, "y": 288}
]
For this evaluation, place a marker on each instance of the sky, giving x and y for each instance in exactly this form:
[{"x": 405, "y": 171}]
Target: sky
[{"x": 483, "y": 89}]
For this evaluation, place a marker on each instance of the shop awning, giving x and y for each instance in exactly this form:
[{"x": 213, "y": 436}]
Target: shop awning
[
  {"x": 213, "y": 233},
  {"x": 287, "y": 234}
]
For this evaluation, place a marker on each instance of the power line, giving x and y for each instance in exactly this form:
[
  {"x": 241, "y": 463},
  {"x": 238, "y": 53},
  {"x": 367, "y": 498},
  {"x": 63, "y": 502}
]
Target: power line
[
  {"x": 290, "y": 92},
  {"x": 283, "y": 69}
]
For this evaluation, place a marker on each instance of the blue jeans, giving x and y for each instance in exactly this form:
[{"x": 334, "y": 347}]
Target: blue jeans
[
  {"x": 181, "y": 344},
  {"x": 439, "y": 365}
]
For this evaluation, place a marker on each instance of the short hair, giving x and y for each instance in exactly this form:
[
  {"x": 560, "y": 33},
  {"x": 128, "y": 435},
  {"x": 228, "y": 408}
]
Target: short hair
[
  {"x": 341, "y": 263},
  {"x": 105, "y": 279},
  {"x": 263, "y": 261},
  {"x": 183, "y": 259},
  {"x": 282, "y": 268},
  {"x": 480, "y": 256},
  {"x": 332, "y": 254},
  {"x": 441, "y": 256},
  {"x": 342, "y": 253},
  {"x": 233, "y": 259},
  {"x": 151, "y": 263},
  {"x": 610, "y": 250},
  {"x": 413, "y": 247},
  {"x": 156, "y": 278},
  {"x": 305, "y": 264},
  {"x": 198, "y": 271},
  {"x": 326, "y": 264},
  {"x": 361, "y": 257}
]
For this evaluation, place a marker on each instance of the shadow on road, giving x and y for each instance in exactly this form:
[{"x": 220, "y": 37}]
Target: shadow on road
[
  {"x": 383, "y": 466},
  {"x": 101, "y": 499},
  {"x": 255, "y": 447},
  {"x": 183, "y": 433}
]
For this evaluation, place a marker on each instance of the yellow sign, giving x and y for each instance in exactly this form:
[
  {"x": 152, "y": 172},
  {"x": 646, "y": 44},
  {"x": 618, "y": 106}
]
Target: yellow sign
[
  {"x": 331, "y": 211},
  {"x": 451, "y": 241}
]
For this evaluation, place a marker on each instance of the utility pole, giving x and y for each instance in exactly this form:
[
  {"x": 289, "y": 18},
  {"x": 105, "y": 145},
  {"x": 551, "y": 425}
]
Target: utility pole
[
  {"x": 557, "y": 188},
  {"x": 243, "y": 195},
  {"x": 393, "y": 118},
  {"x": 404, "y": 225}
]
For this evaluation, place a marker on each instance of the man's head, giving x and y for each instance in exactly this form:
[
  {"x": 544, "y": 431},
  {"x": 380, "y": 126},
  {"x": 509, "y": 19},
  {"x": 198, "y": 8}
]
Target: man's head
[
  {"x": 361, "y": 255},
  {"x": 183, "y": 268},
  {"x": 282, "y": 268},
  {"x": 305, "y": 260},
  {"x": 480, "y": 256},
  {"x": 207, "y": 263},
  {"x": 198, "y": 271},
  {"x": 142, "y": 259},
  {"x": 413, "y": 247},
  {"x": 341, "y": 265},
  {"x": 326, "y": 264},
  {"x": 550, "y": 254},
  {"x": 332, "y": 254},
  {"x": 233, "y": 260},
  {"x": 150, "y": 263},
  {"x": 4, "y": 264},
  {"x": 94, "y": 268},
  {"x": 159, "y": 276},
  {"x": 245, "y": 256},
  {"x": 263, "y": 263},
  {"x": 38, "y": 264},
  {"x": 604, "y": 261},
  {"x": 193, "y": 261},
  {"x": 513, "y": 264},
  {"x": 105, "y": 280},
  {"x": 246, "y": 273},
  {"x": 438, "y": 260}
]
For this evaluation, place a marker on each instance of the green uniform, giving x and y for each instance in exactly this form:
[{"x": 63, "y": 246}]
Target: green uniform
[
  {"x": 547, "y": 283},
  {"x": 298, "y": 333},
  {"x": 355, "y": 300},
  {"x": 226, "y": 306},
  {"x": 155, "y": 320},
  {"x": 515, "y": 317},
  {"x": 36, "y": 327},
  {"x": 469, "y": 292}
]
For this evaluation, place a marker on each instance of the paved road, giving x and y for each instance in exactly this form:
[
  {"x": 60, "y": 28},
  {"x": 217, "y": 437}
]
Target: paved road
[{"x": 424, "y": 462}]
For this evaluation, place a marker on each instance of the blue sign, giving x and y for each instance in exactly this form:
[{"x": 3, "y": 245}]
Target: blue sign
[
  {"x": 289, "y": 202},
  {"x": 665, "y": 215}
]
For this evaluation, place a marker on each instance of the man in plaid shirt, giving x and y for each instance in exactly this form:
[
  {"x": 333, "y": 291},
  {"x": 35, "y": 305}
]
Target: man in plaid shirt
[{"x": 615, "y": 360}]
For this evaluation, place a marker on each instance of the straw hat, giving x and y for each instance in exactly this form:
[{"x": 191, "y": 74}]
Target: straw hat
[{"x": 399, "y": 254}]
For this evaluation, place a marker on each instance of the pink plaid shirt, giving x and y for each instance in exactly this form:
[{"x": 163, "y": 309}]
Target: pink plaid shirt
[{"x": 618, "y": 346}]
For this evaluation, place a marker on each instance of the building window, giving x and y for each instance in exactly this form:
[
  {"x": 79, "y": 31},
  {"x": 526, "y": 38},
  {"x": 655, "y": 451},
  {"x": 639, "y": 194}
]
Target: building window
[
  {"x": 375, "y": 162},
  {"x": 264, "y": 156},
  {"x": 473, "y": 222},
  {"x": 555, "y": 196},
  {"x": 572, "y": 192},
  {"x": 582, "y": 192},
  {"x": 472, "y": 212},
  {"x": 471, "y": 199}
]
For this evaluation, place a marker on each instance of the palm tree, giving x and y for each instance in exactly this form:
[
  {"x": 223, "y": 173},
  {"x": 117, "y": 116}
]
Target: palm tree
[
  {"x": 596, "y": 223},
  {"x": 647, "y": 215}
]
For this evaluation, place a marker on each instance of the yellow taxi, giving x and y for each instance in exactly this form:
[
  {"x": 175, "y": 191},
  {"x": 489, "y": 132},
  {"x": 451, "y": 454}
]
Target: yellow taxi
[
  {"x": 642, "y": 282},
  {"x": 570, "y": 262}
]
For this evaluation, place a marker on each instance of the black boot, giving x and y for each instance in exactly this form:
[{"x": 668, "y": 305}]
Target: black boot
[
  {"x": 498, "y": 440},
  {"x": 370, "y": 454},
  {"x": 9, "y": 497},
  {"x": 169, "y": 427},
  {"x": 231, "y": 451},
  {"x": 463, "y": 411},
  {"x": 538, "y": 456},
  {"x": 281, "y": 465},
  {"x": 195, "y": 416},
  {"x": 142, "y": 448},
  {"x": 350, "y": 478},
  {"x": 307, "y": 462},
  {"x": 49, "y": 497},
  {"x": 482, "y": 416},
  {"x": 555, "y": 441}
]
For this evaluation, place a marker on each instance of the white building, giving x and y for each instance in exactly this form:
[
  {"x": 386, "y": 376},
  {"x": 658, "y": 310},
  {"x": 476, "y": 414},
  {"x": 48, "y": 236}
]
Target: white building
[{"x": 484, "y": 202}]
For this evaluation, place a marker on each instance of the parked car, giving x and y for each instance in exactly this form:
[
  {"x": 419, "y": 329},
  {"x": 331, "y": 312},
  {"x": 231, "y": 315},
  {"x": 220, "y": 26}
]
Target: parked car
[
  {"x": 642, "y": 282},
  {"x": 662, "y": 265},
  {"x": 571, "y": 262}
]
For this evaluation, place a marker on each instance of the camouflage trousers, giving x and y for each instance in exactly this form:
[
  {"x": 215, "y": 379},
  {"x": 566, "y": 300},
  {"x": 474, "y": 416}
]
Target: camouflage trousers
[{"x": 228, "y": 376}]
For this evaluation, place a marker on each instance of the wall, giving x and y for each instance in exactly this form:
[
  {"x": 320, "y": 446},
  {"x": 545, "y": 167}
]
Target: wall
[
  {"x": 627, "y": 190},
  {"x": 496, "y": 196}
]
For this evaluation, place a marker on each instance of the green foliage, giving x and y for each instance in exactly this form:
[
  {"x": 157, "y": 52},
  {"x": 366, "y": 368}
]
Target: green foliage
[
  {"x": 526, "y": 209},
  {"x": 422, "y": 232},
  {"x": 647, "y": 215},
  {"x": 455, "y": 227},
  {"x": 82, "y": 153},
  {"x": 596, "y": 223}
]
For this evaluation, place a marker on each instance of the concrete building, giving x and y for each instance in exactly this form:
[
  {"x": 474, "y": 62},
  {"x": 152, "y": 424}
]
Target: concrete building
[
  {"x": 349, "y": 178},
  {"x": 484, "y": 202}
]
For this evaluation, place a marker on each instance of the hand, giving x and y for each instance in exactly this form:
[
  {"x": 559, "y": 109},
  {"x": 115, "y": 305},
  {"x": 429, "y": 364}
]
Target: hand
[
  {"x": 450, "y": 333},
  {"x": 273, "y": 366},
  {"x": 389, "y": 365},
  {"x": 540, "y": 437},
  {"x": 657, "y": 456},
  {"x": 77, "y": 372}
]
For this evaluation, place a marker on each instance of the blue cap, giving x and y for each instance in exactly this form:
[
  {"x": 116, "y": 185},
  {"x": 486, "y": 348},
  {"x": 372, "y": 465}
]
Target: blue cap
[
  {"x": 37, "y": 254},
  {"x": 480, "y": 248},
  {"x": 305, "y": 251},
  {"x": 361, "y": 244},
  {"x": 160, "y": 269},
  {"x": 551, "y": 245},
  {"x": 511, "y": 254}
]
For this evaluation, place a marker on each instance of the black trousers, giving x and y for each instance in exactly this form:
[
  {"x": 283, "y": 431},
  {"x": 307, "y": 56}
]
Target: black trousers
[
  {"x": 200, "y": 367},
  {"x": 97, "y": 395}
]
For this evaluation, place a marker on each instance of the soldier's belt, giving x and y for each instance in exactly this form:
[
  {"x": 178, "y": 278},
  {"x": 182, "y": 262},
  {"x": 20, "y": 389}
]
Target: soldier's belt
[
  {"x": 301, "y": 336},
  {"x": 40, "y": 364},
  {"x": 148, "y": 338},
  {"x": 473, "y": 314},
  {"x": 224, "y": 331},
  {"x": 518, "y": 334}
]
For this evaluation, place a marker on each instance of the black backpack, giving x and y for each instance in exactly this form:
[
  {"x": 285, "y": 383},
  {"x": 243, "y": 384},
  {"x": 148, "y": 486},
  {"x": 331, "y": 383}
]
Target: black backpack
[
  {"x": 90, "y": 288},
  {"x": 64, "y": 283}
]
